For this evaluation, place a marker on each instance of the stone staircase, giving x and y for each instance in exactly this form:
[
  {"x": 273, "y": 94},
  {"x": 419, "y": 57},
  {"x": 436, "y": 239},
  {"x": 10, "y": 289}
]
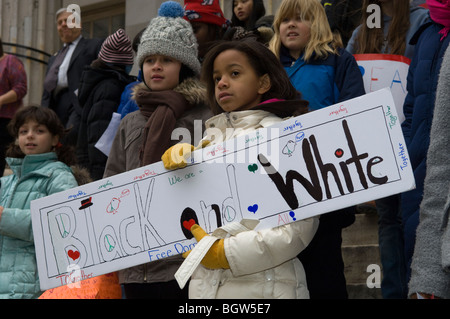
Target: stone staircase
[{"x": 360, "y": 250}]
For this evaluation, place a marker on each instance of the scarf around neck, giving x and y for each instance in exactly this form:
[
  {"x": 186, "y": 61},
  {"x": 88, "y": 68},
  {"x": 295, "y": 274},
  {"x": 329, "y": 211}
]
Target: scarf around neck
[
  {"x": 440, "y": 13},
  {"x": 161, "y": 109}
]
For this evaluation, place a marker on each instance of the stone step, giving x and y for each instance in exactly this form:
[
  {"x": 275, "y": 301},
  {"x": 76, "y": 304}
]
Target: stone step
[
  {"x": 363, "y": 271},
  {"x": 361, "y": 291},
  {"x": 361, "y": 256},
  {"x": 364, "y": 231},
  {"x": 359, "y": 262}
]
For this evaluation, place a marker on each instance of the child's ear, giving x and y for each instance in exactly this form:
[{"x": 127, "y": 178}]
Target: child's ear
[
  {"x": 55, "y": 140},
  {"x": 264, "y": 84}
]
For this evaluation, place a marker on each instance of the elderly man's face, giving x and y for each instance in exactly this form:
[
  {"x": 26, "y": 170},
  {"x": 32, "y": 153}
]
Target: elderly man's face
[{"x": 66, "y": 34}]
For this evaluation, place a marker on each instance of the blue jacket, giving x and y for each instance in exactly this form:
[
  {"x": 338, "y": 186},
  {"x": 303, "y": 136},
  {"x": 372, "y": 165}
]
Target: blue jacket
[
  {"x": 419, "y": 109},
  {"x": 34, "y": 176},
  {"x": 127, "y": 104},
  {"x": 325, "y": 82}
]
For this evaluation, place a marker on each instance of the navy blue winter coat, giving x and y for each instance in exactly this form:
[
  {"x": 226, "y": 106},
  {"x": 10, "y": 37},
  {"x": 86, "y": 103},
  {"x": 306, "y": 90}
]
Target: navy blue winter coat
[{"x": 418, "y": 109}]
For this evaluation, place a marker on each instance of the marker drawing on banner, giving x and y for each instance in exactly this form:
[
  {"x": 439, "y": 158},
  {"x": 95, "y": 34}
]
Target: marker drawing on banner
[{"x": 322, "y": 161}]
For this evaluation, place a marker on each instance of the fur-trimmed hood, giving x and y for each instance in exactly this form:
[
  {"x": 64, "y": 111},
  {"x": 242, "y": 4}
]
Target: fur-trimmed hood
[
  {"x": 192, "y": 89},
  {"x": 81, "y": 175}
]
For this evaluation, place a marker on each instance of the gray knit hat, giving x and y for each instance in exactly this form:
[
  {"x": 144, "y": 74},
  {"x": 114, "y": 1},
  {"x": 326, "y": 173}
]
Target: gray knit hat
[{"x": 170, "y": 35}]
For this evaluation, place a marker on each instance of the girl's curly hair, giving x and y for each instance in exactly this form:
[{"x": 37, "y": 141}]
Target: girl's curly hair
[{"x": 43, "y": 116}]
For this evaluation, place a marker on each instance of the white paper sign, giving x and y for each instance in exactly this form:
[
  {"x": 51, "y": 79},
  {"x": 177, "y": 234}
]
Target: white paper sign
[
  {"x": 385, "y": 71},
  {"x": 106, "y": 140},
  {"x": 323, "y": 161}
]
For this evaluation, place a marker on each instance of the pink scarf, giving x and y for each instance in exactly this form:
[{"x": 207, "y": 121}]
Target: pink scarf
[{"x": 440, "y": 13}]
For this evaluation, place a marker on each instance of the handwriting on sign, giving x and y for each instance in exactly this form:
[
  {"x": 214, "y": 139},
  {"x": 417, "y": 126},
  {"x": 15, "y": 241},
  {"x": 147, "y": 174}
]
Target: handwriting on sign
[
  {"x": 175, "y": 179},
  {"x": 314, "y": 185},
  {"x": 392, "y": 119},
  {"x": 319, "y": 164},
  {"x": 147, "y": 173},
  {"x": 77, "y": 195},
  {"x": 293, "y": 126},
  {"x": 338, "y": 111},
  {"x": 106, "y": 185},
  {"x": 403, "y": 156}
]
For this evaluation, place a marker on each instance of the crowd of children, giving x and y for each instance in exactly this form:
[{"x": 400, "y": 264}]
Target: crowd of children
[{"x": 238, "y": 76}]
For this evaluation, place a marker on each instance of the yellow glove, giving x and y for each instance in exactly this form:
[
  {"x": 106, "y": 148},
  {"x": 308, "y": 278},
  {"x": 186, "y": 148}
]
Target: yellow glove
[
  {"x": 215, "y": 258},
  {"x": 203, "y": 143},
  {"x": 175, "y": 157}
]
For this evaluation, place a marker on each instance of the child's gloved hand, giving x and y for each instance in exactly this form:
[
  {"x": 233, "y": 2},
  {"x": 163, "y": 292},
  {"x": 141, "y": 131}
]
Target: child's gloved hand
[
  {"x": 215, "y": 258},
  {"x": 176, "y": 156}
]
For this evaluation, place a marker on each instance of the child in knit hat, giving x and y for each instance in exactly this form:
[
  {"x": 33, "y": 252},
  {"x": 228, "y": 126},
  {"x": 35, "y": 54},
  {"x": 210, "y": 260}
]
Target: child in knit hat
[
  {"x": 100, "y": 89},
  {"x": 208, "y": 22},
  {"x": 170, "y": 99},
  {"x": 117, "y": 50}
]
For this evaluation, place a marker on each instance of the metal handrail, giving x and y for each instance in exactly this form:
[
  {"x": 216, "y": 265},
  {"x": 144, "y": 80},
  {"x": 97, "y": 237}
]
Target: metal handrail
[{"x": 27, "y": 48}]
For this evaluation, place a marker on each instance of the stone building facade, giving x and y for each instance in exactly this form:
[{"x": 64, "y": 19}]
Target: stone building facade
[{"x": 28, "y": 29}]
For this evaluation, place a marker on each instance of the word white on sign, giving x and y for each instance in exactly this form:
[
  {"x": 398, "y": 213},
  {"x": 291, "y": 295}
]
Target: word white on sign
[{"x": 336, "y": 157}]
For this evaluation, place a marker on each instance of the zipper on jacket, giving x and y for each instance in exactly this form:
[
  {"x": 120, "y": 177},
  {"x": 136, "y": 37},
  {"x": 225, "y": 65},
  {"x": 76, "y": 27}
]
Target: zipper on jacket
[
  {"x": 227, "y": 114},
  {"x": 230, "y": 124}
]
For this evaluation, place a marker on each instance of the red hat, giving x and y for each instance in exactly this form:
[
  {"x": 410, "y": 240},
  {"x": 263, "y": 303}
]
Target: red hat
[{"x": 207, "y": 11}]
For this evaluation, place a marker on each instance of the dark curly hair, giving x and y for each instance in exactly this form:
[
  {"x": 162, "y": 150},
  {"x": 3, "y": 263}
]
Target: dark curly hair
[
  {"x": 43, "y": 116},
  {"x": 263, "y": 62}
]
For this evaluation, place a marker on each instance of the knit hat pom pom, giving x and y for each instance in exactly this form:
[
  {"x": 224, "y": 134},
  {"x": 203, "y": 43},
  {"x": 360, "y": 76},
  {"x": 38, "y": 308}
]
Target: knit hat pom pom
[{"x": 171, "y": 9}]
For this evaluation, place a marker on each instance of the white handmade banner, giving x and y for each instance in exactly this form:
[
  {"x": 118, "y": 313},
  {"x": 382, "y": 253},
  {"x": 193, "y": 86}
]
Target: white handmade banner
[
  {"x": 385, "y": 71},
  {"x": 336, "y": 157}
]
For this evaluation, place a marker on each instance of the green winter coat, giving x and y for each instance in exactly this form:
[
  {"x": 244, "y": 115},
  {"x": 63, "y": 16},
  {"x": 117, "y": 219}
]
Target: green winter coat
[{"x": 33, "y": 177}]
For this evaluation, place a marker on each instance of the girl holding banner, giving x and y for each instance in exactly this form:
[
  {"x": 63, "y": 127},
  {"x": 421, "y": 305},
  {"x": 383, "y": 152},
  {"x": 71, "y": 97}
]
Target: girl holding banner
[{"x": 247, "y": 89}]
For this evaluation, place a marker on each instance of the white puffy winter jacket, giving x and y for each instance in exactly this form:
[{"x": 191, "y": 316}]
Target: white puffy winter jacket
[{"x": 263, "y": 263}]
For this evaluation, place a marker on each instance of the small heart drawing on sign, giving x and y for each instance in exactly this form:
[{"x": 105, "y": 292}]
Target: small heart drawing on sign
[
  {"x": 253, "y": 208},
  {"x": 73, "y": 254},
  {"x": 253, "y": 168},
  {"x": 188, "y": 224}
]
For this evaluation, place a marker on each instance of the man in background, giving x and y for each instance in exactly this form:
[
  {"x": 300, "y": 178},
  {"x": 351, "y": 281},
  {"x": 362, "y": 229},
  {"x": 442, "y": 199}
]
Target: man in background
[{"x": 64, "y": 72}]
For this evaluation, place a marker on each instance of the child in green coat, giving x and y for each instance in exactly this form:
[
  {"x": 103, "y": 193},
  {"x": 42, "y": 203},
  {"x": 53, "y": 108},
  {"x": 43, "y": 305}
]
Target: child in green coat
[{"x": 36, "y": 159}]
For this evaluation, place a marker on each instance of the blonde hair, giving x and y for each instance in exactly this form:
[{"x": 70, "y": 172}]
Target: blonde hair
[{"x": 322, "y": 42}]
